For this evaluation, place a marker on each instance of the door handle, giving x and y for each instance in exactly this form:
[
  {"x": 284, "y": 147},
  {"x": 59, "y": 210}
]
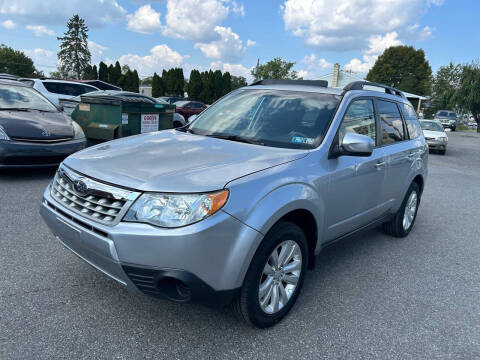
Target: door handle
[{"x": 379, "y": 164}]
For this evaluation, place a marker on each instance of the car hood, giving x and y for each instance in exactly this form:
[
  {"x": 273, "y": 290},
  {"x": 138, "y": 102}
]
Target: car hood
[
  {"x": 433, "y": 134},
  {"x": 36, "y": 125},
  {"x": 173, "y": 161}
]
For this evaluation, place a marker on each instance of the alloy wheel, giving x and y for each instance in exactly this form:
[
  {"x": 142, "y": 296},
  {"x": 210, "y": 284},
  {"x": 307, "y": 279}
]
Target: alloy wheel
[
  {"x": 280, "y": 277},
  {"x": 410, "y": 210}
]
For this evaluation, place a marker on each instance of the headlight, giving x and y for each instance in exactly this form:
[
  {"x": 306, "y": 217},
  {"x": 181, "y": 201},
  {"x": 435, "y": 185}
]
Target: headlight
[
  {"x": 175, "y": 210},
  {"x": 3, "y": 134},
  {"x": 78, "y": 132},
  {"x": 443, "y": 138}
]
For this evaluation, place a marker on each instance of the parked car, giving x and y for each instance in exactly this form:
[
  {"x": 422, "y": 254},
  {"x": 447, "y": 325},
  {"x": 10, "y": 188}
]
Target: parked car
[
  {"x": 55, "y": 90},
  {"x": 435, "y": 135},
  {"x": 447, "y": 118},
  {"x": 171, "y": 99},
  {"x": 102, "y": 85},
  {"x": 32, "y": 130},
  {"x": 188, "y": 108},
  {"x": 258, "y": 185},
  {"x": 472, "y": 125}
]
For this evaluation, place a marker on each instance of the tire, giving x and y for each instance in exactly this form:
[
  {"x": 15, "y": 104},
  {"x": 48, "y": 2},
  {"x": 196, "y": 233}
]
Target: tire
[
  {"x": 247, "y": 304},
  {"x": 395, "y": 227},
  {"x": 442, "y": 152}
]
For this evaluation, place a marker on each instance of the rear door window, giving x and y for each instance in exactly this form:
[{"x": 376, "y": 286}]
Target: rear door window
[
  {"x": 66, "y": 88},
  {"x": 391, "y": 123},
  {"x": 413, "y": 126}
]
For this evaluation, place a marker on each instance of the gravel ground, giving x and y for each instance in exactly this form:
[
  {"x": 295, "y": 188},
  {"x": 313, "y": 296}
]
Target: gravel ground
[{"x": 371, "y": 297}]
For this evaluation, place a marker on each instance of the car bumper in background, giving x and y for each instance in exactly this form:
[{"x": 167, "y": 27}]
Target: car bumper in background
[
  {"x": 437, "y": 145},
  {"x": 23, "y": 153},
  {"x": 203, "y": 262}
]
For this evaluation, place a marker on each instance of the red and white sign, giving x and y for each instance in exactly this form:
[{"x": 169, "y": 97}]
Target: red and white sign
[{"x": 149, "y": 123}]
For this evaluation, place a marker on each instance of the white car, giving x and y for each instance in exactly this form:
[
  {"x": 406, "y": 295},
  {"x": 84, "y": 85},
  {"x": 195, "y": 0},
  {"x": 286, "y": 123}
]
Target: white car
[
  {"x": 56, "y": 90},
  {"x": 435, "y": 135}
]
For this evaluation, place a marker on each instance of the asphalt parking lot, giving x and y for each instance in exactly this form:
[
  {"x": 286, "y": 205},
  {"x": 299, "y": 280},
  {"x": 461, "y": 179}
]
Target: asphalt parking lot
[{"x": 371, "y": 297}]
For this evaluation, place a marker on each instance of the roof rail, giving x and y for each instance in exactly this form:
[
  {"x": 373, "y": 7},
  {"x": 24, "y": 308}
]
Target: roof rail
[
  {"x": 318, "y": 83},
  {"x": 358, "y": 85}
]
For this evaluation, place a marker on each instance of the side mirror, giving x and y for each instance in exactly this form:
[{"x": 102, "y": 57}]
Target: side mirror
[
  {"x": 192, "y": 118},
  {"x": 356, "y": 145}
]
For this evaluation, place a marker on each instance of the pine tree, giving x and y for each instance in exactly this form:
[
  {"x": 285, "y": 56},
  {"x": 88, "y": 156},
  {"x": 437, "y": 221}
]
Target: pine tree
[
  {"x": 89, "y": 73},
  {"x": 194, "y": 85},
  {"x": 111, "y": 74},
  {"x": 227, "y": 83},
  {"x": 115, "y": 74},
  {"x": 95, "y": 72},
  {"x": 103, "y": 72},
  {"x": 156, "y": 86},
  {"x": 217, "y": 85},
  {"x": 74, "y": 55},
  {"x": 136, "y": 81}
]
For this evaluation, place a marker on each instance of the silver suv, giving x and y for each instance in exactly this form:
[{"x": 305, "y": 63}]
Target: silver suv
[{"x": 234, "y": 207}]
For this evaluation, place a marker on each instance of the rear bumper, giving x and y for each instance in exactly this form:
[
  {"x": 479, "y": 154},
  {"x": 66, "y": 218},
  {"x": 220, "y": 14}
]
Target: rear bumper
[
  {"x": 26, "y": 154},
  {"x": 207, "y": 261}
]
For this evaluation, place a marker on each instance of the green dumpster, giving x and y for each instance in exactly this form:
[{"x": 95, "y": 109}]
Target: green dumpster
[{"x": 108, "y": 117}]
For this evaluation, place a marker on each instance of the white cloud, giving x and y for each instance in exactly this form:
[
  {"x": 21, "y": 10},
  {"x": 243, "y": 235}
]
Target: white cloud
[
  {"x": 43, "y": 59},
  {"x": 145, "y": 20},
  {"x": 8, "y": 24},
  {"x": 52, "y": 12},
  {"x": 250, "y": 43},
  {"x": 346, "y": 24},
  {"x": 377, "y": 45},
  {"x": 229, "y": 47},
  {"x": 40, "y": 30},
  {"x": 161, "y": 57},
  {"x": 315, "y": 66},
  {"x": 303, "y": 74},
  {"x": 233, "y": 69},
  {"x": 97, "y": 51},
  {"x": 238, "y": 9},
  {"x": 194, "y": 19},
  {"x": 414, "y": 32}
]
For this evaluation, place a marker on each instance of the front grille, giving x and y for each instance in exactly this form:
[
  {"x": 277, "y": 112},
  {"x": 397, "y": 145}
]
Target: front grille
[
  {"x": 43, "y": 141},
  {"x": 34, "y": 160},
  {"x": 97, "y": 201},
  {"x": 429, "y": 138}
]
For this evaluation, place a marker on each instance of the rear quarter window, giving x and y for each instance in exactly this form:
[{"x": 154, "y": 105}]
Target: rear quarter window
[{"x": 413, "y": 126}]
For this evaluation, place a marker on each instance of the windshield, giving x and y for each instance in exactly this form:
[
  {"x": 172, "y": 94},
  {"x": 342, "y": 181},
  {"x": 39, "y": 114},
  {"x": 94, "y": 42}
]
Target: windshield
[
  {"x": 289, "y": 119},
  {"x": 20, "y": 97},
  {"x": 431, "y": 125},
  {"x": 180, "y": 103}
]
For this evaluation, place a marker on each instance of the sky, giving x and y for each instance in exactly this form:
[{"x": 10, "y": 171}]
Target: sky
[{"x": 231, "y": 35}]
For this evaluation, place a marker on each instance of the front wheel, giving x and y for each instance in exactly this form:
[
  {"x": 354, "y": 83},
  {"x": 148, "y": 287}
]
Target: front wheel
[
  {"x": 274, "y": 278},
  {"x": 404, "y": 219}
]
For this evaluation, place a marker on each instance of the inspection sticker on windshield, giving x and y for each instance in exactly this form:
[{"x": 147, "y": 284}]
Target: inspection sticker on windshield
[
  {"x": 301, "y": 140},
  {"x": 124, "y": 119},
  {"x": 149, "y": 123}
]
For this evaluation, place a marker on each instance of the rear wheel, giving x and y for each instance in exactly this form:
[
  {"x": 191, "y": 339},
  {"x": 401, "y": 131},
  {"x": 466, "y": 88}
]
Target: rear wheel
[
  {"x": 274, "y": 278},
  {"x": 402, "y": 223}
]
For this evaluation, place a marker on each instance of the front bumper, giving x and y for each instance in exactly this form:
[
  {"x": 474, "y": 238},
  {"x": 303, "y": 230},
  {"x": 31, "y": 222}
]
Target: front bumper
[
  {"x": 22, "y": 153},
  {"x": 209, "y": 258},
  {"x": 437, "y": 145}
]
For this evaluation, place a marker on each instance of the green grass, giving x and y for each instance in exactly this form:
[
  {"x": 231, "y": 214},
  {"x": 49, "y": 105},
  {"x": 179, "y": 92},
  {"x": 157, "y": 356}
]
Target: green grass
[{"x": 465, "y": 128}]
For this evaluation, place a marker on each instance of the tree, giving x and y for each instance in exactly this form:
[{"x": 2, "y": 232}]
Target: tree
[
  {"x": 89, "y": 73},
  {"x": 194, "y": 87},
  {"x": 468, "y": 94},
  {"x": 403, "y": 67},
  {"x": 157, "y": 86},
  {"x": 238, "y": 81},
  {"x": 15, "y": 62},
  {"x": 445, "y": 85},
  {"x": 275, "y": 69},
  {"x": 136, "y": 81},
  {"x": 217, "y": 85},
  {"x": 74, "y": 55},
  {"x": 115, "y": 73},
  {"x": 103, "y": 72},
  {"x": 226, "y": 83}
]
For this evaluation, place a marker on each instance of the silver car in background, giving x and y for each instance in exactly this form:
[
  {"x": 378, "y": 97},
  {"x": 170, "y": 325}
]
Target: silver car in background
[
  {"x": 435, "y": 135},
  {"x": 235, "y": 206}
]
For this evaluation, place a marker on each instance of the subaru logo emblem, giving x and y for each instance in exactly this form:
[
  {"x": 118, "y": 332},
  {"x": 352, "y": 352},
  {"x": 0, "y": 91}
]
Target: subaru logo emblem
[{"x": 80, "y": 187}]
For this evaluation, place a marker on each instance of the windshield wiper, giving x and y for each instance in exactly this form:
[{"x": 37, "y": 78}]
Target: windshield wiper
[
  {"x": 15, "y": 109},
  {"x": 237, "y": 138}
]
